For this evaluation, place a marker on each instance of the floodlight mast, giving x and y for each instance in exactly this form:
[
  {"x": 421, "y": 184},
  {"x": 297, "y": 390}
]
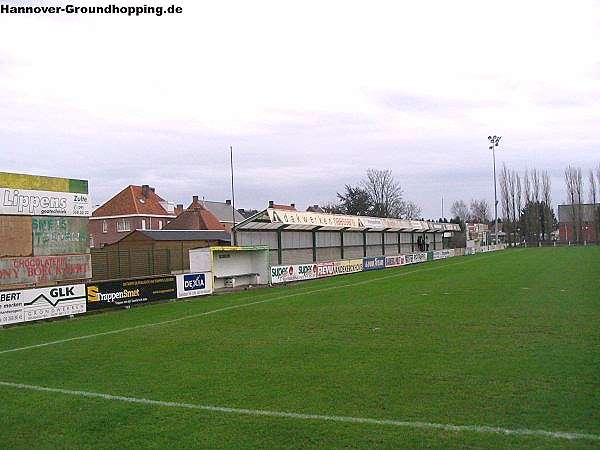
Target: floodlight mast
[{"x": 494, "y": 141}]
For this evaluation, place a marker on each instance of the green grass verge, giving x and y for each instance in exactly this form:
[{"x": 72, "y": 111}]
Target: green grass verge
[{"x": 509, "y": 339}]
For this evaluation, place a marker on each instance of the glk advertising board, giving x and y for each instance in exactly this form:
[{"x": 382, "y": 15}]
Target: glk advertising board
[
  {"x": 60, "y": 235},
  {"x": 41, "y": 269},
  {"x": 25, "y": 305},
  {"x": 294, "y": 272},
  {"x": 374, "y": 263},
  {"x": 26, "y": 202},
  {"x": 108, "y": 294},
  {"x": 395, "y": 261},
  {"x": 194, "y": 284}
]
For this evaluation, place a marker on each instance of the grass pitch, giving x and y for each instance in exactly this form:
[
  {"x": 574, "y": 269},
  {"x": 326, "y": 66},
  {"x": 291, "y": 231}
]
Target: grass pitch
[{"x": 509, "y": 340}]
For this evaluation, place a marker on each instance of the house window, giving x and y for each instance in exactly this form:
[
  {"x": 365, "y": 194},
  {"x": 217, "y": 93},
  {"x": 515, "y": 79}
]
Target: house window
[
  {"x": 160, "y": 224},
  {"x": 104, "y": 226},
  {"x": 123, "y": 225},
  {"x": 143, "y": 224}
]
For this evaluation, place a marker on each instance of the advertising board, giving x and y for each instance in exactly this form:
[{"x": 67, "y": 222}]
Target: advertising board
[
  {"x": 60, "y": 235},
  {"x": 37, "y": 182},
  {"x": 26, "y": 202},
  {"x": 26, "y": 305},
  {"x": 194, "y": 284},
  {"x": 347, "y": 266},
  {"x": 295, "y": 272},
  {"x": 325, "y": 269},
  {"x": 415, "y": 258},
  {"x": 106, "y": 294},
  {"x": 443, "y": 254},
  {"x": 41, "y": 269},
  {"x": 15, "y": 236},
  {"x": 395, "y": 261},
  {"x": 374, "y": 263}
]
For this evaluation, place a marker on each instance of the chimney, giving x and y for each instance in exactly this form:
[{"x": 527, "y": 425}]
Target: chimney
[
  {"x": 194, "y": 199},
  {"x": 271, "y": 202},
  {"x": 145, "y": 190},
  {"x": 293, "y": 205},
  {"x": 151, "y": 188},
  {"x": 180, "y": 206},
  {"x": 228, "y": 202},
  {"x": 315, "y": 206}
]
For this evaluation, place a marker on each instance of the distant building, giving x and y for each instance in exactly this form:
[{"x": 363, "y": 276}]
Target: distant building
[
  {"x": 590, "y": 215},
  {"x": 248, "y": 212},
  {"x": 223, "y": 212},
  {"x": 290, "y": 207},
  {"x": 315, "y": 208},
  {"x": 195, "y": 217},
  {"x": 134, "y": 208}
]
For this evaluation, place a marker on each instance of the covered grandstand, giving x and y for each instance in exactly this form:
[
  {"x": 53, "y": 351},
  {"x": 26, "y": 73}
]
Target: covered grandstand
[{"x": 295, "y": 237}]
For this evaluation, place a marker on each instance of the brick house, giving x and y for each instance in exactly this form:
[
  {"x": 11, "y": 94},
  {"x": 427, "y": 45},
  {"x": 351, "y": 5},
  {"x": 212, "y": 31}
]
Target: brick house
[
  {"x": 590, "y": 216},
  {"x": 196, "y": 217},
  {"x": 134, "y": 208}
]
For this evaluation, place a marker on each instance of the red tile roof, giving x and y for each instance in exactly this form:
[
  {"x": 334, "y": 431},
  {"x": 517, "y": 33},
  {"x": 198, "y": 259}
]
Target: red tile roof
[
  {"x": 133, "y": 200},
  {"x": 195, "y": 217},
  {"x": 284, "y": 207}
]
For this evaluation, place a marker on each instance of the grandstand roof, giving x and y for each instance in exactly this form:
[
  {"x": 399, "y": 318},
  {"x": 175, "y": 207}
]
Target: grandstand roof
[{"x": 274, "y": 218}]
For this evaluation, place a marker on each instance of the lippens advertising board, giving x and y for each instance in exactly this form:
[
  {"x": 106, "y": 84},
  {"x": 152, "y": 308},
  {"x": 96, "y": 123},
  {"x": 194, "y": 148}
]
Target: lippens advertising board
[
  {"x": 26, "y": 202},
  {"x": 294, "y": 272},
  {"x": 194, "y": 284},
  {"x": 108, "y": 294},
  {"x": 41, "y": 269},
  {"x": 374, "y": 263},
  {"x": 26, "y": 305}
]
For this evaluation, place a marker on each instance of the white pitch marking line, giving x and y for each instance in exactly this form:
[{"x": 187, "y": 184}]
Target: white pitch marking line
[
  {"x": 227, "y": 308},
  {"x": 316, "y": 417}
]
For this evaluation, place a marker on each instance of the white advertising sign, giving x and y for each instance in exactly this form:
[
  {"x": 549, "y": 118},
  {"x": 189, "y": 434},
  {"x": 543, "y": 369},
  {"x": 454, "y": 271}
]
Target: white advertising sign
[
  {"x": 295, "y": 272},
  {"x": 194, "y": 284},
  {"x": 395, "y": 261},
  {"x": 443, "y": 254},
  {"x": 25, "y": 305},
  {"x": 414, "y": 258},
  {"x": 25, "y": 202}
]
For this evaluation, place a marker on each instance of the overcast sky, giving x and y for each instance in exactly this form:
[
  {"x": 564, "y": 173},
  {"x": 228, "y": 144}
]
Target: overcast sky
[{"x": 310, "y": 94}]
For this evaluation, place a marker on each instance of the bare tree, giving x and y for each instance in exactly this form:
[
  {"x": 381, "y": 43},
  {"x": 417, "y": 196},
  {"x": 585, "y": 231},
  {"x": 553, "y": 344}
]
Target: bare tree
[
  {"x": 519, "y": 203},
  {"x": 546, "y": 222},
  {"x": 574, "y": 185},
  {"x": 506, "y": 202},
  {"x": 480, "y": 211},
  {"x": 593, "y": 190},
  {"x": 409, "y": 210},
  {"x": 384, "y": 192},
  {"x": 459, "y": 209}
]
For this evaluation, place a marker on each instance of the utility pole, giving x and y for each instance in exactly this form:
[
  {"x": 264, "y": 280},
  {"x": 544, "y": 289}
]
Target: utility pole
[
  {"x": 232, "y": 197},
  {"x": 494, "y": 141}
]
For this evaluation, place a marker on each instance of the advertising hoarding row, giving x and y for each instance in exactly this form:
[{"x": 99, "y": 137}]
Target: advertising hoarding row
[
  {"x": 300, "y": 272},
  {"x": 359, "y": 222},
  {"x": 25, "y": 305},
  {"x": 443, "y": 254}
]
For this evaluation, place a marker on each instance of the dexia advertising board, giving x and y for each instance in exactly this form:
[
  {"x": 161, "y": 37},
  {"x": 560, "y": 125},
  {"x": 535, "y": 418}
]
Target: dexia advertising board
[
  {"x": 108, "y": 294},
  {"x": 25, "y": 305},
  {"x": 194, "y": 284}
]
